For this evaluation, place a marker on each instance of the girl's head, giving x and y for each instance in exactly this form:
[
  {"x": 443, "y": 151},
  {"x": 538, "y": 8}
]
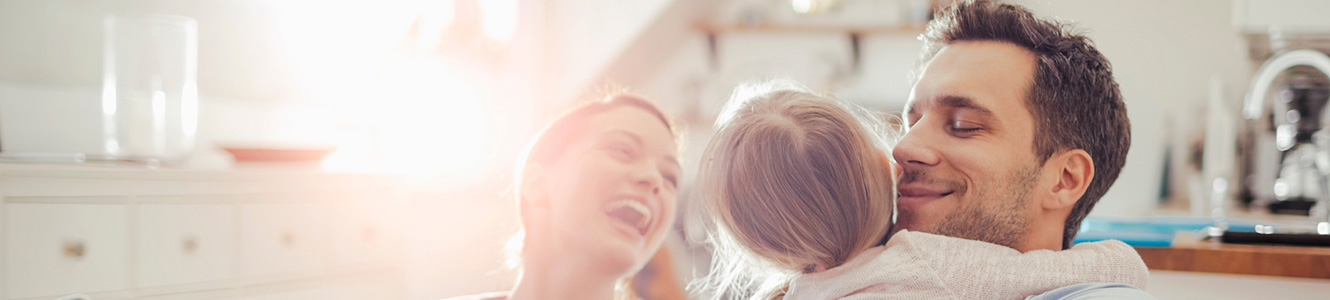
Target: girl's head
[
  {"x": 596, "y": 187},
  {"x": 792, "y": 182}
]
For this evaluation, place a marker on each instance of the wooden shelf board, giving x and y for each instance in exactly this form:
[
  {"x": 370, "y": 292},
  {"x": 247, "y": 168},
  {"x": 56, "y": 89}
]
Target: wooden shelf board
[{"x": 809, "y": 29}]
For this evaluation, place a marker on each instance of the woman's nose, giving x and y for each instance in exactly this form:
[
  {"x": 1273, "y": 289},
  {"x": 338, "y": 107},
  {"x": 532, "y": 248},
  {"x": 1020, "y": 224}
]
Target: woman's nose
[
  {"x": 648, "y": 181},
  {"x": 649, "y": 186}
]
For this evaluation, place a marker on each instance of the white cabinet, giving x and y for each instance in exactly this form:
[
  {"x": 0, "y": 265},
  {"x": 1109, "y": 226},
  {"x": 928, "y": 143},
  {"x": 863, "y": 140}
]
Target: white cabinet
[
  {"x": 55, "y": 249},
  {"x": 169, "y": 234},
  {"x": 282, "y": 240},
  {"x": 185, "y": 243},
  {"x": 360, "y": 235}
]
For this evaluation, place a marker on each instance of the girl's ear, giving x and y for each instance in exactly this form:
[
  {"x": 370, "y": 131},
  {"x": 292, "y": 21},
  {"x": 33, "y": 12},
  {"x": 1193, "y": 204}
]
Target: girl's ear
[
  {"x": 891, "y": 166},
  {"x": 896, "y": 173}
]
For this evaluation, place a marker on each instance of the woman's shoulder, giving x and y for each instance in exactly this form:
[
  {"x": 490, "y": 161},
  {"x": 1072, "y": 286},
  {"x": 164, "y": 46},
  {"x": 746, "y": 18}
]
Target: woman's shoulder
[{"x": 485, "y": 296}]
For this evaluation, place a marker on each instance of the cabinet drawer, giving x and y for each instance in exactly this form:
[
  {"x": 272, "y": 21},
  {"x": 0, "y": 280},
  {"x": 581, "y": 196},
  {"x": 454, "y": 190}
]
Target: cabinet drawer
[
  {"x": 360, "y": 237},
  {"x": 281, "y": 239},
  {"x": 57, "y": 249},
  {"x": 185, "y": 243}
]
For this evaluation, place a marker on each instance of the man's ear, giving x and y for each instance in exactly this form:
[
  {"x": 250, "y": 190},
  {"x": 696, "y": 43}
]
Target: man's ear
[{"x": 1075, "y": 171}]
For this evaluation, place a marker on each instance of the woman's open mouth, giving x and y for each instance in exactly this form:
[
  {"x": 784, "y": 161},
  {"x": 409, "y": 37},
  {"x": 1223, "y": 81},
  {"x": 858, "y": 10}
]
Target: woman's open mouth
[{"x": 631, "y": 213}]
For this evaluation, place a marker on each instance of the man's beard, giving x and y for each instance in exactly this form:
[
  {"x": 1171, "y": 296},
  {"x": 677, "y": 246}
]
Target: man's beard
[{"x": 996, "y": 214}]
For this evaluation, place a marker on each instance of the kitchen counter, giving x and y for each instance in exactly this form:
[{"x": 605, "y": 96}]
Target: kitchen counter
[
  {"x": 1212, "y": 257},
  {"x": 131, "y": 171}
]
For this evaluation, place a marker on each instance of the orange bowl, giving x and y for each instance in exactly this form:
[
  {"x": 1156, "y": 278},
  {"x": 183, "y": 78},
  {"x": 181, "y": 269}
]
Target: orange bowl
[{"x": 279, "y": 155}]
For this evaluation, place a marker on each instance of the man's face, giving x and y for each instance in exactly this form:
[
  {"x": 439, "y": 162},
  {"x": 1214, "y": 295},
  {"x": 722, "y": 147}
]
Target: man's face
[{"x": 968, "y": 156}]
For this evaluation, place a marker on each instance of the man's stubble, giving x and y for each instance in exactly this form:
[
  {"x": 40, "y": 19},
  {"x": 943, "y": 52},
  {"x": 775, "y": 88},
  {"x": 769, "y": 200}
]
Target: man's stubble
[{"x": 996, "y": 214}]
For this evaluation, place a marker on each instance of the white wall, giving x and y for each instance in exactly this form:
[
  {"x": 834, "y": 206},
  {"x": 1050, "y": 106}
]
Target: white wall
[
  {"x": 58, "y": 43},
  {"x": 585, "y": 36},
  {"x": 1164, "y": 54}
]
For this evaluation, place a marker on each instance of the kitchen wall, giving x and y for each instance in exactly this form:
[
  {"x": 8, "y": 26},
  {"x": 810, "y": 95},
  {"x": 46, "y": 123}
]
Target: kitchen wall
[
  {"x": 1164, "y": 54},
  {"x": 584, "y": 40},
  {"x": 254, "y": 76}
]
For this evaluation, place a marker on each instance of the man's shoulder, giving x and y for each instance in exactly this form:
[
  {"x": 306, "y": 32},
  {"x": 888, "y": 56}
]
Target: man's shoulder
[
  {"x": 1086, "y": 291},
  {"x": 942, "y": 245}
]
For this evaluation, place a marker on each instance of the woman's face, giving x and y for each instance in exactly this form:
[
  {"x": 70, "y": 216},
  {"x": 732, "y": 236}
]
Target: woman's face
[{"x": 612, "y": 192}]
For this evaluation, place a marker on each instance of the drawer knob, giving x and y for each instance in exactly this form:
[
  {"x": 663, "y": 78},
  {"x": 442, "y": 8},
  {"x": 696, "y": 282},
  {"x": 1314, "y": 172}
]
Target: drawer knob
[
  {"x": 288, "y": 240},
  {"x": 75, "y": 249},
  {"x": 367, "y": 234},
  {"x": 189, "y": 244}
]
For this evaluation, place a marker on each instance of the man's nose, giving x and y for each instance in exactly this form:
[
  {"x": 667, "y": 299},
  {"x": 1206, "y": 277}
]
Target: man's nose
[{"x": 917, "y": 148}]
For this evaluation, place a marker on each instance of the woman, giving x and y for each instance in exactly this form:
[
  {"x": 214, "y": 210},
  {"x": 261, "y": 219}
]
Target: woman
[
  {"x": 799, "y": 192},
  {"x": 596, "y": 197}
]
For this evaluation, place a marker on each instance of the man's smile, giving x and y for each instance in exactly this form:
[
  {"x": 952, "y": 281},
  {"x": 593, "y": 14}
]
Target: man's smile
[{"x": 915, "y": 194}]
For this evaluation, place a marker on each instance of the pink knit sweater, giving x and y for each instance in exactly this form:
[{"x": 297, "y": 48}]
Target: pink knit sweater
[{"x": 916, "y": 265}]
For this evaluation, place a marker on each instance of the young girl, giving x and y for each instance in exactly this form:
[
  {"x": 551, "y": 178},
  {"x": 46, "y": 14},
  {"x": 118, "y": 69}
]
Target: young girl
[{"x": 799, "y": 194}]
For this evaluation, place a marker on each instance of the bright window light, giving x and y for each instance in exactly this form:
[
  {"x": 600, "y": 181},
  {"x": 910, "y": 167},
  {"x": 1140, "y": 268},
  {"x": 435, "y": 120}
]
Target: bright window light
[
  {"x": 437, "y": 18},
  {"x": 429, "y": 120},
  {"x": 499, "y": 19},
  {"x": 801, "y": 6}
]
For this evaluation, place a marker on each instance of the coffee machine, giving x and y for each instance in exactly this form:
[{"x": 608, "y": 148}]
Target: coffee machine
[{"x": 1288, "y": 99}]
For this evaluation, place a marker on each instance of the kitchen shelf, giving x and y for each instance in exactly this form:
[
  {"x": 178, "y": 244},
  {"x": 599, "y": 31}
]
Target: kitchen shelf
[
  {"x": 854, "y": 34},
  {"x": 809, "y": 29}
]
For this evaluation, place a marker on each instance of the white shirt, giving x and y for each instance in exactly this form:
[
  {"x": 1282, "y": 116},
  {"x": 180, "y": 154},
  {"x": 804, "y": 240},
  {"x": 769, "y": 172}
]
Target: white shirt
[{"x": 916, "y": 265}]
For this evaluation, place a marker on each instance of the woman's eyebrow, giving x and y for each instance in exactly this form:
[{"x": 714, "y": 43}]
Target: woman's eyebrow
[
  {"x": 632, "y": 136},
  {"x": 675, "y": 161},
  {"x": 638, "y": 139}
]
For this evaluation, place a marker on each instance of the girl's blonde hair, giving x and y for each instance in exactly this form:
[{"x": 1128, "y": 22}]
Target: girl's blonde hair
[{"x": 791, "y": 180}]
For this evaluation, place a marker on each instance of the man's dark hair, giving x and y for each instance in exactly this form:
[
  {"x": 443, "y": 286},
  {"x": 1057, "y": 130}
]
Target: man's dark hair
[{"x": 1074, "y": 100}]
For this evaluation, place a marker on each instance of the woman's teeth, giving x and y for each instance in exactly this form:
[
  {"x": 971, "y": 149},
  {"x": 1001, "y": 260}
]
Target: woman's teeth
[{"x": 631, "y": 212}]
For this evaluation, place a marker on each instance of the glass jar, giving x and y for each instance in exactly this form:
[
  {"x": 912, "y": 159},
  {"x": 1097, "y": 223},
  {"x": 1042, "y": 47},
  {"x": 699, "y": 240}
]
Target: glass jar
[{"x": 149, "y": 87}]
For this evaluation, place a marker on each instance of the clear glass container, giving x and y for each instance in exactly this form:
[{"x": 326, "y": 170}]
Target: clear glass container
[{"x": 149, "y": 87}]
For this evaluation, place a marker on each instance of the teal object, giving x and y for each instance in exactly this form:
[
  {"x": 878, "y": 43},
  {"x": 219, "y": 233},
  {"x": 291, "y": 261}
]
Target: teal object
[{"x": 1147, "y": 231}]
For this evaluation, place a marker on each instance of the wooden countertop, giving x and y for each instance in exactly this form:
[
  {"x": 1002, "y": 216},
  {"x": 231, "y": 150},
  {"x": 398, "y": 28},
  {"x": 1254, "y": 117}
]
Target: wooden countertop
[{"x": 1206, "y": 256}]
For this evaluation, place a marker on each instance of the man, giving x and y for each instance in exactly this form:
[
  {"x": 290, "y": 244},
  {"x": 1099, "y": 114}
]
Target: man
[{"x": 1016, "y": 128}]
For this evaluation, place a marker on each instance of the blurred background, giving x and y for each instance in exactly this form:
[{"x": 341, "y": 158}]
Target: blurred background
[{"x": 431, "y": 101}]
